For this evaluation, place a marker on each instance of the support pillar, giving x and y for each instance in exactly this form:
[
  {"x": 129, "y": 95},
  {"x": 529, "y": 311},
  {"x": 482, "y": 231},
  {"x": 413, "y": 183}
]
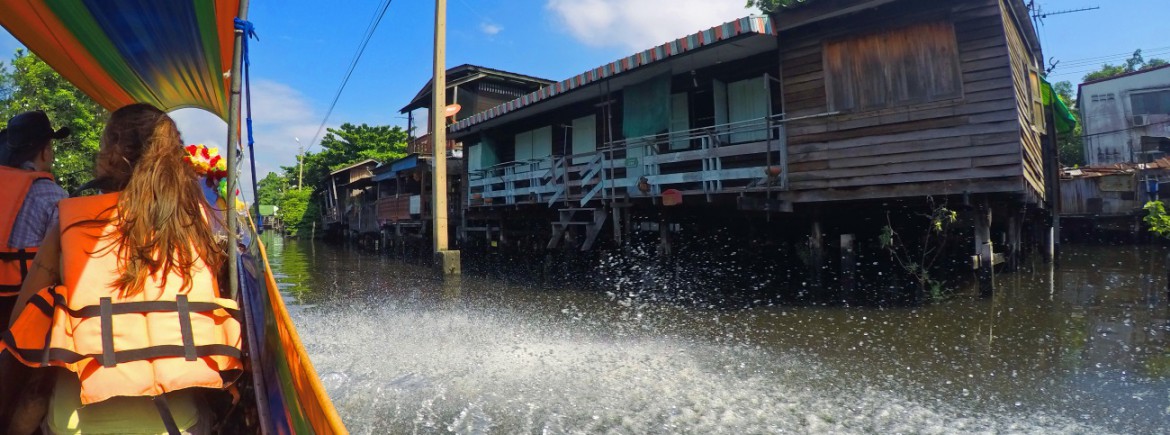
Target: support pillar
[
  {"x": 848, "y": 266},
  {"x": 617, "y": 225},
  {"x": 816, "y": 248},
  {"x": 983, "y": 251},
  {"x": 664, "y": 246},
  {"x": 1015, "y": 227}
]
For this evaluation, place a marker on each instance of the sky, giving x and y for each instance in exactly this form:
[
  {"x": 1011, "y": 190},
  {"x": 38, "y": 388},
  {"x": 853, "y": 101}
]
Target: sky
[{"x": 305, "y": 48}]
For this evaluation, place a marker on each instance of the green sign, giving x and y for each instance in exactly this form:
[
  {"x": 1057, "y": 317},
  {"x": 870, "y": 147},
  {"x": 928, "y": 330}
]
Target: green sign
[{"x": 631, "y": 162}]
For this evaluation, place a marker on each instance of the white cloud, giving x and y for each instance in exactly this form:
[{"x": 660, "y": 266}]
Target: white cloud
[
  {"x": 490, "y": 29},
  {"x": 641, "y": 24},
  {"x": 280, "y": 114}
]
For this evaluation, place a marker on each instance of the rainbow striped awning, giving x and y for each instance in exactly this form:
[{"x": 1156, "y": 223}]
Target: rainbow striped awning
[
  {"x": 172, "y": 54},
  {"x": 755, "y": 25}
]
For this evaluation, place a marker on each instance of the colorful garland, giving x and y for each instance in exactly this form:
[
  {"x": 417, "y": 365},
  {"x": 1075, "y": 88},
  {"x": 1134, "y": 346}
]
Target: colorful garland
[{"x": 210, "y": 165}]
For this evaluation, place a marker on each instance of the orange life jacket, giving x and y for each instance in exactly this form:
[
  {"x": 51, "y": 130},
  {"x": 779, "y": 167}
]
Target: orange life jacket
[
  {"x": 14, "y": 262},
  {"x": 157, "y": 341}
]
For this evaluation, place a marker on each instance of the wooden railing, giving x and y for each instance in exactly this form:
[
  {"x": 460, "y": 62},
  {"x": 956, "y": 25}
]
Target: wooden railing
[
  {"x": 644, "y": 167},
  {"x": 422, "y": 145}
]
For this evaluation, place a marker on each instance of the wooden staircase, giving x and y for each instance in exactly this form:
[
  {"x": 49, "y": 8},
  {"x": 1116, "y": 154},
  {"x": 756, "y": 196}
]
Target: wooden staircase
[{"x": 593, "y": 219}]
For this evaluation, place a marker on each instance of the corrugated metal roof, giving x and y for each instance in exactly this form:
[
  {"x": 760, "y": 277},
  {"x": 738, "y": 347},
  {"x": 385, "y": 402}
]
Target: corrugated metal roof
[{"x": 754, "y": 25}]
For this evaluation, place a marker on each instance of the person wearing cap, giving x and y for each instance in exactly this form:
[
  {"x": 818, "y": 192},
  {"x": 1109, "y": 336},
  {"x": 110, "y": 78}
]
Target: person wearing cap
[{"x": 28, "y": 198}]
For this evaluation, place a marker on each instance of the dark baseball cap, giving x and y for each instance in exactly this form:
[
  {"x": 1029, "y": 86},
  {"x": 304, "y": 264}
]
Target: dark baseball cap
[{"x": 26, "y": 129}]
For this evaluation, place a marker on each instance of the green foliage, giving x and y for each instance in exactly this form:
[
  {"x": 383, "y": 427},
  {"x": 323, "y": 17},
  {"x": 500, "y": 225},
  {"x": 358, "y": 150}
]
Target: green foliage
[
  {"x": 29, "y": 84},
  {"x": 1157, "y": 219},
  {"x": 271, "y": 188},
  {"x": 1135, "y": 63},
  {"x": 297, "y": 210},
  {"x": 919, "y": 259},
  {"x": 770, "y": 5},
  {"x": 347, "y": 145},
  {"x": 1071, "y": 146}
]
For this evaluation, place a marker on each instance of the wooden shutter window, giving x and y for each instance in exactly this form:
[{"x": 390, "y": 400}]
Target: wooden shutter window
[{"x": 908, "y": 65}]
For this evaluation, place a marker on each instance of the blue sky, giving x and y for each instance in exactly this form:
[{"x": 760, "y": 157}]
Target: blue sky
[{"x": 305, "y": 47}]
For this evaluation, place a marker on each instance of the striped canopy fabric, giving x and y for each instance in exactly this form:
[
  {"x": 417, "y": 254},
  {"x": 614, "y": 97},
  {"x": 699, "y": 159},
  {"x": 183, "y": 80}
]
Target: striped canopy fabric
[
  {"x": 172, "y": 54},
  {"x": 754, "y": 25}
]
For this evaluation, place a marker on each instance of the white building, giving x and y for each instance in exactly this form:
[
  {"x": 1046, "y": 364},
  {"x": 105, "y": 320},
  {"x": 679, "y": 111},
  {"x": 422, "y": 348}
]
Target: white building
[{"x": 1126, "y": 119}]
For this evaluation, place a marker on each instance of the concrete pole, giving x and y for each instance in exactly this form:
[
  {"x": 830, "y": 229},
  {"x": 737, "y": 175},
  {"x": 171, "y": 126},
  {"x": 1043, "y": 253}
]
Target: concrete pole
[
  {"x": 300, "y": 163},
  {"x": 447, "y": 261}
]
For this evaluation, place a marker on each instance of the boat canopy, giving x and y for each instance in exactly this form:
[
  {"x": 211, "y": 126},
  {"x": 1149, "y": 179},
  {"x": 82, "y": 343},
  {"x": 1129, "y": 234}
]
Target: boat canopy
[{"x": 172, "y": 54}]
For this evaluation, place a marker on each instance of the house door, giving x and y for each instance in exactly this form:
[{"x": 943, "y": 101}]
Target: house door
[
  {"x": 680, "y": 122},
  {"x": 747, "y": 106},
  {"x": 584, "y": 138}
]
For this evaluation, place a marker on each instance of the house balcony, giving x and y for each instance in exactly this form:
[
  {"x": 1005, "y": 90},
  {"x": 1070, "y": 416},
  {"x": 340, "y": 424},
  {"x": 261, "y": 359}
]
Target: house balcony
[{"x": 422, "y": 145}]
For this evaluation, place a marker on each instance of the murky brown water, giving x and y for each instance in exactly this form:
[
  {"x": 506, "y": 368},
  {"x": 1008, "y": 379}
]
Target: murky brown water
[{"x": 1081, "y": 349}]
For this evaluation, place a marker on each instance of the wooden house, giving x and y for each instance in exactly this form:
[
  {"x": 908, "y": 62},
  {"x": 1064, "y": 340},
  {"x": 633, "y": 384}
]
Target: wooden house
[
  {"x": 403, "y": 206},
  {"x": 824, "y": 107},
  {"x": 347, "y": 202},
  {"x": 474, "y": 89},
  {"x": 403, "y": 188}
]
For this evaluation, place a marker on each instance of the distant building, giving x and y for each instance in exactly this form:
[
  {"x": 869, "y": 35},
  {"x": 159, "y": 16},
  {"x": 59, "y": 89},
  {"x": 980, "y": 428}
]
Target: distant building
[
  {"x": 1127, "y": 118},
  {"x": 475, "y": 89},
  {"x": 347, "y": 200}
]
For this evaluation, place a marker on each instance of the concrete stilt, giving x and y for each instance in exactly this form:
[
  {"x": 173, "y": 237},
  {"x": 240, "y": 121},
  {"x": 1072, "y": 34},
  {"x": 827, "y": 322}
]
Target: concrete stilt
[{"x": 448, "y": 263}]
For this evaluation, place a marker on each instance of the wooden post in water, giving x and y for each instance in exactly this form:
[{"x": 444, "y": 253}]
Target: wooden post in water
[
  {"x": 816, "y": 248},
  {"x": 848, "y": 266},
  {"x": 1015, "y": 224},
  {"x": 446, "y": 261},
  {"x": 985, "y": 258}
]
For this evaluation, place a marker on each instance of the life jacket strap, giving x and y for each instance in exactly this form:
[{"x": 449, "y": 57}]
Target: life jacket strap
[
  {"x": 106, "y": 310},
  {"x": 107, "y": 316},
  {"x": 136, "y": 307},
  {"x": 17, "y": 254},
  {"x": 164, "y": 411},
  {"x": 8, "y": 291},
  {"x": 24, "y": 257},
  {"x": 184, "y": 310},
  {"x": 66, "y": 356}
]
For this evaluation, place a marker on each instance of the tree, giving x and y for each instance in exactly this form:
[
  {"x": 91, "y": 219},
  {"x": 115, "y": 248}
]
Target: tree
[
  {"x": 769, "y": 5},
  {"x": 919, "y": 256},
  {"x": 1071, "y": 146},
  {"x": 349, "y": 144},
  {"x": 297, "y": 210},
  {"x": 1137, "y": 62},
  {"x": 271, "y": 189},
  {"x": 29, "y": 84}
]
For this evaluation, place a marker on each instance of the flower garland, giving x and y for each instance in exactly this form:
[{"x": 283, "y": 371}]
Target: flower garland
[{"x": 210, "y": 165}]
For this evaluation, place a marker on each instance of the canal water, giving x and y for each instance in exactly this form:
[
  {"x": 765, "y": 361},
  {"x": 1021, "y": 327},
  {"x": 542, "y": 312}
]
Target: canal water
[{"x": 1079, "y": 349}]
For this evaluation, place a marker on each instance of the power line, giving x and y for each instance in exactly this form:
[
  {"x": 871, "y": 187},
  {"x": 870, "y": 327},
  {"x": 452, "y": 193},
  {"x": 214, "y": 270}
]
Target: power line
[
  {"x": 378, "y": 15},
  {"x": 1126, "y": 129},
  {"x": 1122, "y": 57}
]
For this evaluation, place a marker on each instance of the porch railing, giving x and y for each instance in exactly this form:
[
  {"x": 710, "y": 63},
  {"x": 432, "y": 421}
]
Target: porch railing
[
  {"x": 422, "y": 145},
  {"x": 644, "y": 167}
]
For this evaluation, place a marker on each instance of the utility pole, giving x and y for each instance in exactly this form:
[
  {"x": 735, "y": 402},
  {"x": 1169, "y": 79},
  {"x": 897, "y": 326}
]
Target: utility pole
[
  {"x": 300, "y": 162},
  {"x": 447, "y": 261}
]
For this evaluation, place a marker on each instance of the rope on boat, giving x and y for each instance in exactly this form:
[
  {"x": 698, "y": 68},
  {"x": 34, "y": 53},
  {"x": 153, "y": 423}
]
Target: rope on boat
[{"x": 250, "y": 32}]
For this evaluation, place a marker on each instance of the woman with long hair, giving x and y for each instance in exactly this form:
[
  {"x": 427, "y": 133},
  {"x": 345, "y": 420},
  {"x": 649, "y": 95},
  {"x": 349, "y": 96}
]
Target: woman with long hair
[{"x": 124, "y": 297}]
